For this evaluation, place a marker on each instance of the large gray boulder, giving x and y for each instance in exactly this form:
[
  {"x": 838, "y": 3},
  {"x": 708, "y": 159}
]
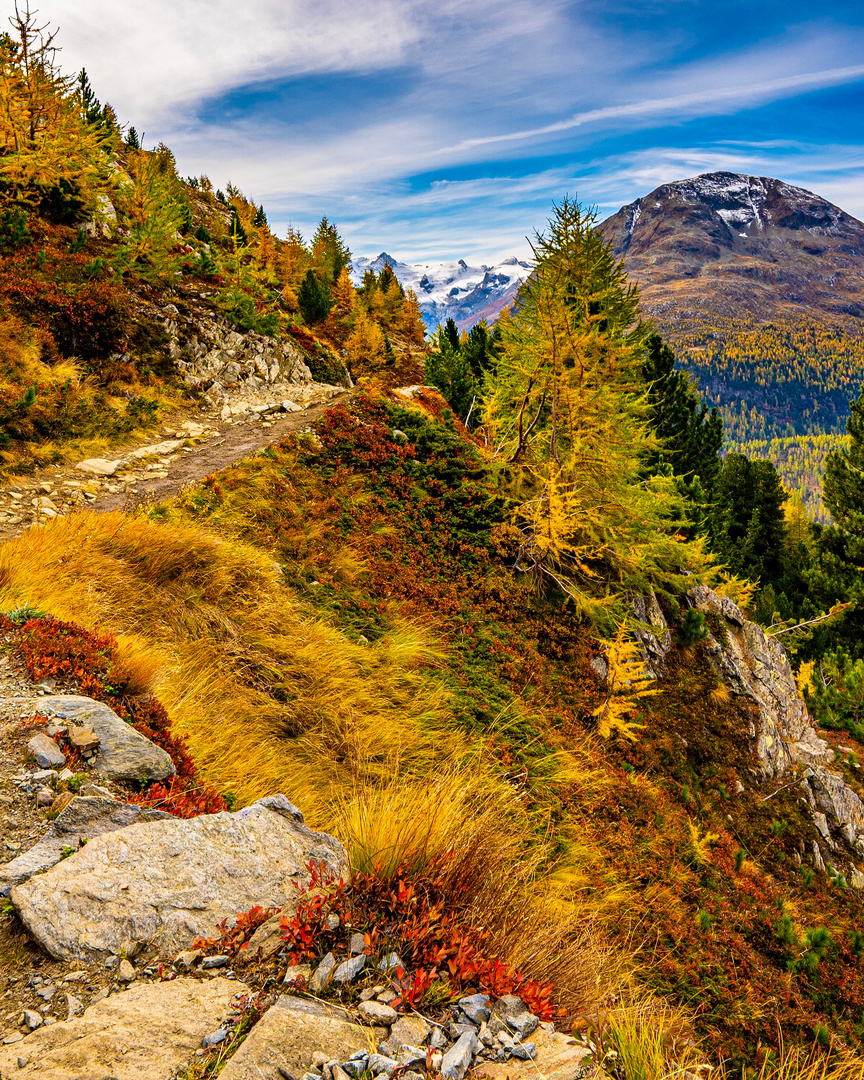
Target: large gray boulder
[
  {"x": 124, "y": 753},
  {"x": 83, "y": 819},
  {"x": 756, "y": 666},
  {"x": 169, "y": 881}
]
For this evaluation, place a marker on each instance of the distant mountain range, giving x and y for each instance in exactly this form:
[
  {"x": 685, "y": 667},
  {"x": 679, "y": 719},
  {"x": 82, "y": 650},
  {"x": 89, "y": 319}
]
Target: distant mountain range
[
  {"x": 453, "y": 289},
  {"x": 757, "y": 284}
]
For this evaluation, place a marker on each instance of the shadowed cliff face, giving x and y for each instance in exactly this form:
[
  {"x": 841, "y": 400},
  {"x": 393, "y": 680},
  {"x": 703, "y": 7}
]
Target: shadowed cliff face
[{"x": 729, "y": 245}]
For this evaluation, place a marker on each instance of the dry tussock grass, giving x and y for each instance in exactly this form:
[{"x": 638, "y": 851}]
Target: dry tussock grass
[
  {"x": 362, "y": 737},
  {"x": 20, "y": 360}
]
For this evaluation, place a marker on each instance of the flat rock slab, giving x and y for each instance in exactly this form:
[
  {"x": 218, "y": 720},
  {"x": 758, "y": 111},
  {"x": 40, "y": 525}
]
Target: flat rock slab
[
  {"x": 171, "y": 880},
  {"x": 124, "y": 754},
  {"x": 99, "y": 466},
  {"x": 144, "y": 1033},
  {"x": 290, "y": 1032},
  {"x": 559, "y": 1057},
  {"x": 162, "y": 449},
  {"x": 84, "y": 818}
]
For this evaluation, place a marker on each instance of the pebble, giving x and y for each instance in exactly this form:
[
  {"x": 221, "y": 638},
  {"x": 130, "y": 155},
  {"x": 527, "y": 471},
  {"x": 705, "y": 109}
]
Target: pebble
[
  {"x": 32, "y": 1019},
  {"x": 214, "y": 962},
  {"x": 412, "y": 1056},
  {"x": 45, "y": 751},
  {"x": 357, "y": 944},
  {"x": 348, "y": 970},
  {"x": 375, "y": 1010},
  {"x": 333, "y": 922},
  {"x": 379, "y": 1063},
  {"x": 187, "y": 959},
  {"x": 457, "y": 1061},
  {"x": 23, "y": 1062},
  {"x": 74, "y": 1005},
  {"x": 126, "y": 973},
  {"x": 323, "y": 974},
  {"x": 214, "y": 1038},
  {"x": 12, "y": 1037},
  {"x": 391, "y": 960},
  {"x": 475, "y": 1008}
]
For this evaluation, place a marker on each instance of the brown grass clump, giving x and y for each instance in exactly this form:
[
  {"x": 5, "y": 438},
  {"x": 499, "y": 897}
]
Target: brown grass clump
[{"x": 361, "y": 736}]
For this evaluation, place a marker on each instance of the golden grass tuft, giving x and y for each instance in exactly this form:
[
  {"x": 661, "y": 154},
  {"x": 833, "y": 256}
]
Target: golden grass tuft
[
  {"x": 361, "y": 736},
  {"x": 794, "y": 1064},
  {"x": 20, "y": 360},
  {"x": 647, "y": 1039}
]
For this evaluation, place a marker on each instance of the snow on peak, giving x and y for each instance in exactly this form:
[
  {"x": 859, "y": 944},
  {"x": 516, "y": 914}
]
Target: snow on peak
[{"x": 449, "y": 289}]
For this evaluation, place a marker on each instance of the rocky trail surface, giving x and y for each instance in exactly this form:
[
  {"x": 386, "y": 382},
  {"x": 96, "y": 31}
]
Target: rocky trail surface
[{"x": 190, "y": 445}]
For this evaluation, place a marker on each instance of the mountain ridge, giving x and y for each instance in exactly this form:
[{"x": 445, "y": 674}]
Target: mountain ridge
[
  {"x": 453, "y": 289},
  {"x": 722, "y": 242}
]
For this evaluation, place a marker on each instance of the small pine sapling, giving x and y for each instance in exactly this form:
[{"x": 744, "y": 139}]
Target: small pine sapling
[{"x": 693, "y": 628}]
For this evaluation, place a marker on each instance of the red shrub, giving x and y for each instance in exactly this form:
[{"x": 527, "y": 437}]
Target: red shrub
[{"x": 54, "y": 649}]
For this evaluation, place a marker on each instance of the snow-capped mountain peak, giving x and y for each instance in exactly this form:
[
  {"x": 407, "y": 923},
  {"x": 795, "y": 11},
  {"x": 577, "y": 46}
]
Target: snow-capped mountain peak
[{"x": 453, "y": 289}]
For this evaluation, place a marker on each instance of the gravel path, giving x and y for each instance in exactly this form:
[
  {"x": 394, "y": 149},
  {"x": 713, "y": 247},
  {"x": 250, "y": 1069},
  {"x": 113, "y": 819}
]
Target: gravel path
[{"x": 191, "y": 444}]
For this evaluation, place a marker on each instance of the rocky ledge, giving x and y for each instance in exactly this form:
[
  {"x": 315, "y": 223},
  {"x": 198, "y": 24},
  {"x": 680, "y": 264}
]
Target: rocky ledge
[{"x": 754, "y": 666}]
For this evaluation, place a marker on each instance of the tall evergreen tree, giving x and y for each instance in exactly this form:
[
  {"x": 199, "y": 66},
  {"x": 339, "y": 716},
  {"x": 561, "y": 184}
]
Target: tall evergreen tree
[
  {"x": 451, "y": 333},
  {"x": 843, "y": 488},
  {"x": 315, "y": 300},
  {"x": 748, "y": 526},
  {"x": 836, "y": 574},
  {"x": 565, "y": 409},
  {"x": 329, "y": 253}
]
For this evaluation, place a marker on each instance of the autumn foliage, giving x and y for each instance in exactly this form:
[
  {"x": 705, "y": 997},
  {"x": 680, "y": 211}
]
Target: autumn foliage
[{"x": 66, "y": 652}]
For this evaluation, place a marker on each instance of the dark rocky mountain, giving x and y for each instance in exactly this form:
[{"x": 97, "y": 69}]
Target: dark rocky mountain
[{"x": 724, "y": 244}]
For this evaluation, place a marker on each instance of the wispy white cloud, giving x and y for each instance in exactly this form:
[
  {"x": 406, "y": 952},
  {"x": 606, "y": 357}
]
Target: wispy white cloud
[
  {"x": 460, "y": 90},
  {"x": 714, "y": 99}
]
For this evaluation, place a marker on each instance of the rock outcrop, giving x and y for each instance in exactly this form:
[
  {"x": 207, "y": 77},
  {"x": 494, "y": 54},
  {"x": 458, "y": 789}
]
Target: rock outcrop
[
  {"x": 169, "y": 881},
  {"x": 756, "y": 666},
  {"x": 124, "y": 753},
  {"x": 145, "y": 1033},
  {"x": 85, "y": 818}
]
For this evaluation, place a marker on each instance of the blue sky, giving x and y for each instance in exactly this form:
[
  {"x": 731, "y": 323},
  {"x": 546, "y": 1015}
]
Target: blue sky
[{"x": 445, "y": 130}]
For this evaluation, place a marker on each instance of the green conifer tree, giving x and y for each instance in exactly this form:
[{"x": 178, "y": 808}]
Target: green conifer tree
[
  {"x": 565, "y": 411},
  {"x": 315, "y": 300}
]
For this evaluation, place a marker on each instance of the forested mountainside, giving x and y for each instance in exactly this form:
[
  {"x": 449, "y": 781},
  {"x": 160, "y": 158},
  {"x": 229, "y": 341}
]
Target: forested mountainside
[
  {"x": 760, "y": 287},
  {"x": 576, "y": 691}
]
